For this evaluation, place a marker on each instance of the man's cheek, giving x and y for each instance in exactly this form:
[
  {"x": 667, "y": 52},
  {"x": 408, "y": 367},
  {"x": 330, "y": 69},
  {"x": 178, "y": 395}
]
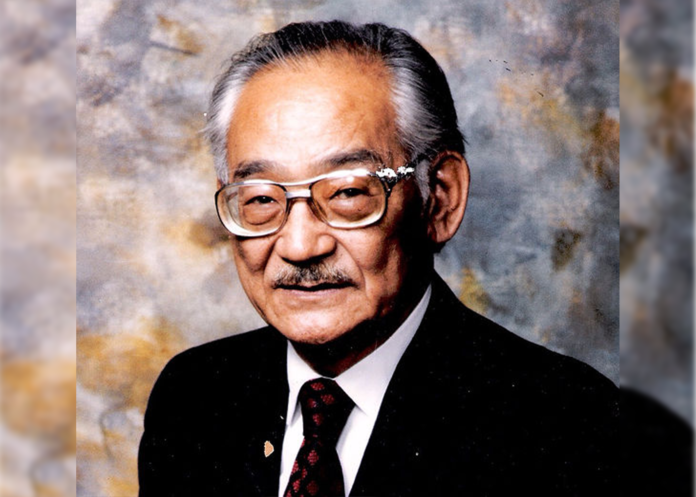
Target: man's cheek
[{"x": 249, "y": 256}]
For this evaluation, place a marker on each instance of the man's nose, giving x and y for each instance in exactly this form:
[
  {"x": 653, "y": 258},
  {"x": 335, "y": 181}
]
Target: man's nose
[{"x": 304, "y": 236}]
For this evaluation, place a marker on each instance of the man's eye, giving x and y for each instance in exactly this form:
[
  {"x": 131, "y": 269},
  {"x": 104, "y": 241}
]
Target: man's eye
[
  {"x": 348, "y": 193},
  {"x": 260, "y": 200}
]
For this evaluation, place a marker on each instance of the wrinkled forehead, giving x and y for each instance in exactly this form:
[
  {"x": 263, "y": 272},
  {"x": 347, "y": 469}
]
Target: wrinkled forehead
[{"x": 318, "y": 108}]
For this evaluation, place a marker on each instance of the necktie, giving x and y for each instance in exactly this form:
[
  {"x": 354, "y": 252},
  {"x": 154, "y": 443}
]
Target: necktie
[{"x": 317, "y": 469}]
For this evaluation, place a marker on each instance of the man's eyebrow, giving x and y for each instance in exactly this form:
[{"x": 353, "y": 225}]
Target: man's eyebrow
[
  {"x": 363, "y": 156},
  {"x": 248, "y": 168},
  {"x": 357, "y": 156}
]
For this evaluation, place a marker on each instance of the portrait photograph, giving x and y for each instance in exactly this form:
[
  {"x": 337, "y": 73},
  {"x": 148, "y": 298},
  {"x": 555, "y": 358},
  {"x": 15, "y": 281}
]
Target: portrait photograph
[{"x": 415, "y": 204}]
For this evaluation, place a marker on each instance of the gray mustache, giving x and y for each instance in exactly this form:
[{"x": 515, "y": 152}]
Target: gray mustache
[{"x": 314, "y": 274}]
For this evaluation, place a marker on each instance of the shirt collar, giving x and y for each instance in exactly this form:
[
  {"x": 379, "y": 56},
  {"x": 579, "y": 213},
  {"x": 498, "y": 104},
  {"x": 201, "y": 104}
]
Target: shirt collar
[{"x": 365, "y": 382}]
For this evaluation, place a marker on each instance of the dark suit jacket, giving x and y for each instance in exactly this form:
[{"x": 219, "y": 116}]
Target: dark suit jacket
[{"x": 472, "y": 410}]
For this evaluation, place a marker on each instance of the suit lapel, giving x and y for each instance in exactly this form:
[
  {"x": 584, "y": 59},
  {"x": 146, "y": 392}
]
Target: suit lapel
[
  {"x": 398, "y": 455},
  {"x": 265, "y": 421},
  {"x": 392, "y": 456},
  {"x": 263, "y": 450}
]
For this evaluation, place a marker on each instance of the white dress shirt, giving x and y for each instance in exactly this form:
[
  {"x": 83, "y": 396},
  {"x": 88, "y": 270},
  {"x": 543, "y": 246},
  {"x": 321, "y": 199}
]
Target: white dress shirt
[{"x": 365, "y": 383}]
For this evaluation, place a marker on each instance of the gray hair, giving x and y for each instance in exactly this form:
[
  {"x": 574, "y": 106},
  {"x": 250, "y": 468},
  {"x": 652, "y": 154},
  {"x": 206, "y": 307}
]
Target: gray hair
[{"x": 426, "y": 120}]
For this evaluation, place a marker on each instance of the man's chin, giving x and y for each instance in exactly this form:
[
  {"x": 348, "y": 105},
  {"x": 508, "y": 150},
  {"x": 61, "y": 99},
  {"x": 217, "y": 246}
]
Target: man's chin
[
  {"x": 310, "y": 336},
  {"x": 314, "y": 321}
]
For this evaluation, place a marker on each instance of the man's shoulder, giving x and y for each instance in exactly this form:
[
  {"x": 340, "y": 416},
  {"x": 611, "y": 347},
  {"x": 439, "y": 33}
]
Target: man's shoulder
[
  {"x": 260, "y": 339},
  {"x": 252, "y": 353},
  {"x": 218, "y": 375},
  {"x": 504, "y": 407},
  {"x": 524, "y": 358},
  {"x": 467, "y": 341}
]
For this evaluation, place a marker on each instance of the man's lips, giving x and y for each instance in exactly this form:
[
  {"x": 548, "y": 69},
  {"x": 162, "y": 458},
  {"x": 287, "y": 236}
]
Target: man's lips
[{"x": 316, "y": 287}]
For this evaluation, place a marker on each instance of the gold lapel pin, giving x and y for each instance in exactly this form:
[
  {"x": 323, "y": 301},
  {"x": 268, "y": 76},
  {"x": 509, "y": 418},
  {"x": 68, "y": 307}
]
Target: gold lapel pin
[{"x": 268, "y": 448}]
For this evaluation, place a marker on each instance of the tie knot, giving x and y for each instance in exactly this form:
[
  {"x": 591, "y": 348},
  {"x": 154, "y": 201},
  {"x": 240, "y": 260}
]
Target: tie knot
[{"x": 325, "y": 409}]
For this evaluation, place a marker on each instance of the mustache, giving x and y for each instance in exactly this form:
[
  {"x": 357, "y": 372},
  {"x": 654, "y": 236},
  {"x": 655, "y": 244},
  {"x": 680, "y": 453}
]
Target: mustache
[{"x": 314, "y": 274}]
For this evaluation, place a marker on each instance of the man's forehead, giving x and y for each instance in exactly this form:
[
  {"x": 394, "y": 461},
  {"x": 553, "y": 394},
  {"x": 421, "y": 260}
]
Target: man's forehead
[
  {"x": 324, "y": 113},
  {"x": 314, "y": 81}
]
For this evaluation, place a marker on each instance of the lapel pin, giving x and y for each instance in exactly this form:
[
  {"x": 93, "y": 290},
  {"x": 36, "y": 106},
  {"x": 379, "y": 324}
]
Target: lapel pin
[{"x": 268, "y": 448}]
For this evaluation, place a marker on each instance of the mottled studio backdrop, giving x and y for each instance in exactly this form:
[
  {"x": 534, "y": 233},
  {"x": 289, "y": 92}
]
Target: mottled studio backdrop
[{"x": 537, "y": 90}]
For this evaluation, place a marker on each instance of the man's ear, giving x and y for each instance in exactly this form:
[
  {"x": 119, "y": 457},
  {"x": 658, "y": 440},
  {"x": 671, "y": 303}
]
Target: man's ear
[{"x": 449, "y": 190}]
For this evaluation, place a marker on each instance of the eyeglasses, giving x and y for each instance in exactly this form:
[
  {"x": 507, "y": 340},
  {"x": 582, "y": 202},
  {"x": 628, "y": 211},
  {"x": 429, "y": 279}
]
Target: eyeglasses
[{"x": 345, "y": 199}]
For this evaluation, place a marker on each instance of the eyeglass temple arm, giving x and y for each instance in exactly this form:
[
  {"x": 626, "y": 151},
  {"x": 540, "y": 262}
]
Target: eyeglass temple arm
[{"x": 391, "y": 178}]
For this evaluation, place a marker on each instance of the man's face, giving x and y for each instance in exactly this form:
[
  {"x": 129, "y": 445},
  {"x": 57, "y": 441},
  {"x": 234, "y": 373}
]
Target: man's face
[{"x": 296, "y": 122}]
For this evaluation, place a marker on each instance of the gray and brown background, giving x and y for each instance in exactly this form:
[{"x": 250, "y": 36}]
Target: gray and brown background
[{"x": 536, "y": 87}]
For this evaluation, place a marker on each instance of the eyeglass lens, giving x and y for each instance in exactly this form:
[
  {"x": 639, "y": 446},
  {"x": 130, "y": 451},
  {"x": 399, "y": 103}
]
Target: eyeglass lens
[{"x": 344, "y": 202}]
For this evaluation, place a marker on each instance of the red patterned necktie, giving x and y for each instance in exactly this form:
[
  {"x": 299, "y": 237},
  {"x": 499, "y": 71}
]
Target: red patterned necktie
[{"x": 317, "y": 470}]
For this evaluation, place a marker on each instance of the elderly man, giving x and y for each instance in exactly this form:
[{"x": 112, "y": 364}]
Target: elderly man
[{"x": 341, "y": 172}]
